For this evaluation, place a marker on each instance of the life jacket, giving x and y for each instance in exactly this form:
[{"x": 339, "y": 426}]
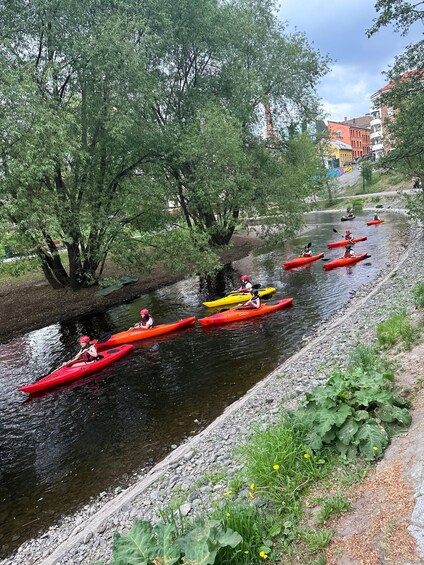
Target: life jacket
[
  {"x": 348, "y": 254},
  {"x": 348, "y": 236},
  {"x": 149, "y": 317},
  {"x": 256, "y": 300},
  {"x": 244, "y": 286},
  {"x": 86, "y": 356}
]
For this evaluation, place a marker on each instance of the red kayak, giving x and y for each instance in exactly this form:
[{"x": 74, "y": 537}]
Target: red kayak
[
  {"x": 374, "y": 222},
  {"x": 236, "y": 314},
  {"x": 300, "y": 261},
  {"x": 77, "y": 369},
  {"x": 344, "y": 261},
  {"x": 139, "y": 333},
  {"x": 345, "y": 242}
]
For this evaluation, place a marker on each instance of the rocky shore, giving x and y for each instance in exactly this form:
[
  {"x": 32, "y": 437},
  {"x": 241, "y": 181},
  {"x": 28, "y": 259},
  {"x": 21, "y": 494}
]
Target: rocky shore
[{"x": 197, "y": 472}]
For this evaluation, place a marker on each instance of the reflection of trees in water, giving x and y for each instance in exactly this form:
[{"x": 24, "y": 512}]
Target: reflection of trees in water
[{"x": 223, "y": 281}]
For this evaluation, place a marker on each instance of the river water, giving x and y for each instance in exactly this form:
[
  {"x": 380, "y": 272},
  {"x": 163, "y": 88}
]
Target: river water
[{"x": 59, "y": 449}]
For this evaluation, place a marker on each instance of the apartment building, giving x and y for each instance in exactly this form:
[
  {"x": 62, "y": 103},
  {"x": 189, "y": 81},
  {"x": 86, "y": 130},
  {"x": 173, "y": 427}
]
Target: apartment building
[{"x": 354, "y": 132}]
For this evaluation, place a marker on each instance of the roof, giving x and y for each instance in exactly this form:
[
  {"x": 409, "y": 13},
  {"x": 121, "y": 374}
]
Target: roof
[{"x": 341, "y": 145}]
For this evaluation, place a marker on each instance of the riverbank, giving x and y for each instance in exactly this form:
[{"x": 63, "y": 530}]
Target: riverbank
[
  {"x": 86, "y": 536},
  {"x": 29, "y": 303}
]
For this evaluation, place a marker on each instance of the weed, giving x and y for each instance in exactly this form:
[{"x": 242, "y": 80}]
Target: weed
[
  {"x": 397, "y": 328},
  {"x": 333, "y": 506},
  {"x": 419, "y": 295},
  {"x": 316, "y": 539}
]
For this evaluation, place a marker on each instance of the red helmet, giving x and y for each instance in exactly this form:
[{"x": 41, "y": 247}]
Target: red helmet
[
  {"x": 84, "y": 339},
  {"x": 348, "y": 231},
  {"x": 144, "y": 312},
  {"x": 244, "y": 278}
]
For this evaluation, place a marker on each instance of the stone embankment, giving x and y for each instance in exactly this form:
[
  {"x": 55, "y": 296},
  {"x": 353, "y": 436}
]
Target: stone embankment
[{"x": 197, "y": 472}]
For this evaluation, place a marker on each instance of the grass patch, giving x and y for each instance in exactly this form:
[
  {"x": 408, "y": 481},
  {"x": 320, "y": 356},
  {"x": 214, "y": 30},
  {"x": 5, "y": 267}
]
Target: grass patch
[
  {"x": 333, "y": 506},
  {"x": 397, "y": 330},
  {"x": 419, "y": 295},
  {"x": 316, "y": 539}
]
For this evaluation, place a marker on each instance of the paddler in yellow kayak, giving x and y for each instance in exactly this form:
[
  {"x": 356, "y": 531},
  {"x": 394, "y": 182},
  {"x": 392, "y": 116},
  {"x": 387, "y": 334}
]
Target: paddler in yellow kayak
[{"x": 246, "y": 285}]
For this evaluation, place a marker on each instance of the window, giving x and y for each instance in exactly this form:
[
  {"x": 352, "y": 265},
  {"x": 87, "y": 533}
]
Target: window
[{"x": 339, "y": 134}]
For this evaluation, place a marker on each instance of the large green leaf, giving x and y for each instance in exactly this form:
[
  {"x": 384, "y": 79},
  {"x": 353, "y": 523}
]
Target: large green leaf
[
  {"x": 167, "y": 550},
  {"x": 342, "y": 413},
  {"x": 229, "y": 537},
  {"x": 313, "y": 440},
  {"x": 372, "y": 439},
  {"x": 347, "y": 431},
  {"x": 390, "y": 413},
  {"x": 137, "y": 547}
]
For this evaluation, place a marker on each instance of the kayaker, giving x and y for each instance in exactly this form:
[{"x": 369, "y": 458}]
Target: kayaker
[
  {"x": 307, "y": 251},
  {"x": 246, "y": 285},
  {"x": 254, "y": 302},
  {"x": 88, "y": 351},
  {"x": 349, "y": 213},
  {"x": 376, "y": 217},
  {"x": 349, "y": 252},
  {"x": 146, "y": 321},
  {"x": 348, "y": 236}
]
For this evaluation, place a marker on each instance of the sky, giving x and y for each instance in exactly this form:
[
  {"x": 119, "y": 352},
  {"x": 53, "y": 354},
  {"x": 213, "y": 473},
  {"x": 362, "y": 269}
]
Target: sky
[{"x": 338, "y": 28}]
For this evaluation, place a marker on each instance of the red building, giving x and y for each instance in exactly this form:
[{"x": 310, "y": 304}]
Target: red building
[{"x": 355, "y": 133}]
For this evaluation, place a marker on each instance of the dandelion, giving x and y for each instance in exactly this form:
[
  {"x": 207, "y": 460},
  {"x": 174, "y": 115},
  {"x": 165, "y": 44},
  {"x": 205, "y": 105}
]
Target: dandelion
[
  {"x": 375, "y": 448},
  {"x": 263, "y": 555},
  {"x": 246, "y": 552},
  {"x": 307, "y": 456},
  {"x": 252, "y": 486},
  {"x": 276, "y": 467},
  {"x": 251, "y": 495},
  {"x": 229, "y": 492},
  {"x": 228, "y": 514}
]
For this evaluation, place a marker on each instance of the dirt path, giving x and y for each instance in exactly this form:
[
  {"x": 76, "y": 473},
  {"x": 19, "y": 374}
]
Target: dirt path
[
  {"x": 31, "y": 304},
  {"x": 385, "y": 524}
]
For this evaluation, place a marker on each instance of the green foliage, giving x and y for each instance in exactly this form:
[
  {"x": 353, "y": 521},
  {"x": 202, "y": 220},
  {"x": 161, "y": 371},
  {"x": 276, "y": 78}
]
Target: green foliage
[
  {"x": 146, "y": 544},
  {"x": 19, "y": 268},
  {"x": 316, "y": 539},
  {"x": 349, "y": 412},
  {"x": 397, "y": 329},
  {"x": 419, "y": 295},
  {"x": 331, "y": 506},
  {"x": 366, "y": 173},
  {"x": 356, "y": 205},
  {"x": 280, "y": 464}
]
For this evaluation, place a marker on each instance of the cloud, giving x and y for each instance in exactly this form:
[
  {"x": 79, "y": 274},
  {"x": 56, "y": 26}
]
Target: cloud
[{"x": 338, "y": 28}]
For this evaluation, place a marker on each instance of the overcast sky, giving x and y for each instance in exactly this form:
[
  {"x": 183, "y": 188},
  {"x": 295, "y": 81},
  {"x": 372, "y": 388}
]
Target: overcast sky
[{"x": 337, "y": 28}]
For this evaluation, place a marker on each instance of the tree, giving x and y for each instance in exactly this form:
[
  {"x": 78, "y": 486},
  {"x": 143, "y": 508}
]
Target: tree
[
  {"x": 366, "y": 173},
  {"x": 74, "y": 86}
]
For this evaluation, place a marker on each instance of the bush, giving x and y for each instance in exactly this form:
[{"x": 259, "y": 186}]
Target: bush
[
  {"x": 356, "y": 205},
  {"x": 419, "y": 295}
]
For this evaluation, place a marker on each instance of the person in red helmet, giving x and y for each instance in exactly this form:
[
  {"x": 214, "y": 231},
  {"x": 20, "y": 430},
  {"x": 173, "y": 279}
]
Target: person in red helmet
[
  {"x": 246, "y": 285},
  {"x": 348, "y": 236},
  {"x": 88, "y": 350},
  {"x": 146, "y": 321}
]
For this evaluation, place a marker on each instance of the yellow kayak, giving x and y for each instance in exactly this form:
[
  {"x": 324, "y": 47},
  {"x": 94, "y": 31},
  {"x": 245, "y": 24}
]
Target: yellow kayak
[{"x": 238, "y": 297}]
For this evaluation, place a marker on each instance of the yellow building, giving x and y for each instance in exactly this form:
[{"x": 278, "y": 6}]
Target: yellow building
[{"x": 339, "y": 153}]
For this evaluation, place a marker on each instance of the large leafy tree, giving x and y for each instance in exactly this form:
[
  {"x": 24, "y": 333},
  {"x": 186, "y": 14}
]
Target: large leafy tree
[{"x": 74, "y": 88}]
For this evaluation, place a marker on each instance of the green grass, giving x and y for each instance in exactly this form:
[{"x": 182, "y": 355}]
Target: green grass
[
  {"x": 19, "y": 269},
  {"x": 333, "y": 505},
  {"x": 397, "y": 330},
  {"x": 419, "y": 295},
  {"x": 316, "y": 539}
]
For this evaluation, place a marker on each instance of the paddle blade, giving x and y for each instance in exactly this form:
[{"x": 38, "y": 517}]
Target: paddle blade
[
  {"x": 309, "y": 245},
  {"x": 104, "y": 338},
  {"x": 335, "y": 231}
]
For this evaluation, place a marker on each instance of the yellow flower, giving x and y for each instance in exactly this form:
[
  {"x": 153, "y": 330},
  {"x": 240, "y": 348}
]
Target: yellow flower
[
  {"x": 229, "y": 492},
  {"x": 276, "y": 467},
  {"x": 375, "y": 448},
  {"x": 228, "y": 514},
  {"x": 263, "y": 555},
  {"x": 307, "y": 456},
  {"x": 251, "y": 495},
  {"x": 246, "y": 552},
  {"x": 252, "y": 486}
]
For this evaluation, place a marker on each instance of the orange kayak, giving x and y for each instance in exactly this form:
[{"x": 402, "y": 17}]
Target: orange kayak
[
  {"x": 138, "y": 334},
  {"x": 374, "y": 222},
  {"x": 300, "y": 261},
  {"x": 346, "y": 242},
  {"x": 236, "y": 314},
  {"x": 344, "y": 261}
]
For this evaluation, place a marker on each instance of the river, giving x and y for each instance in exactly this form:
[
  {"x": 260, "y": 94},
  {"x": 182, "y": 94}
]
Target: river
[{"x": 61, "y": 448}]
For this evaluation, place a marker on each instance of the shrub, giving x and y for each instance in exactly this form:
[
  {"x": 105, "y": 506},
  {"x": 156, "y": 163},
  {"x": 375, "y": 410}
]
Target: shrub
[
  {"x": 356, "y": 205},
  {"x": 419, "y": 295}
]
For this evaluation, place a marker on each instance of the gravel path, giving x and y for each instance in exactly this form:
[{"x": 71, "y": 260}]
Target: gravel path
[{"x": 86, "y": 536}]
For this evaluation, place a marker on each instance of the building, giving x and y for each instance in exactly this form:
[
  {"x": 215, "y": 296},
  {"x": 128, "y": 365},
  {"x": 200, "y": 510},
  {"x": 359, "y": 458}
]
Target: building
[
  {"x": 379, "y": 113},
  {"x": 336, "y": 154},
  {"x": 354, "y": 132}
]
